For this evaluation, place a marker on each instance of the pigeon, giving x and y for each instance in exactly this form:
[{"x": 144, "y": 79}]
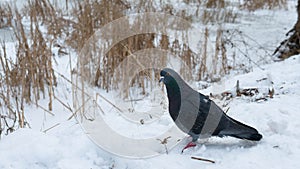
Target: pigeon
[{"x": 199, "y": 116}]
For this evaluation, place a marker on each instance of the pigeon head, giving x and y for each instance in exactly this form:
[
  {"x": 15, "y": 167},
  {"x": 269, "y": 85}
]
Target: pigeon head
[
  {"x": 166, "y": 77},
  {"x": 170, "y": 78}
]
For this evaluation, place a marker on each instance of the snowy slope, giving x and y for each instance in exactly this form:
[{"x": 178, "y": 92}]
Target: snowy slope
[{"x": 66, "y": 146}]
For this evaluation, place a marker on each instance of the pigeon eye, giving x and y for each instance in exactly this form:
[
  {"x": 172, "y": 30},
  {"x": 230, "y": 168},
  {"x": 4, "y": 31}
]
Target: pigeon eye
[{"x": 168, "y": 74}]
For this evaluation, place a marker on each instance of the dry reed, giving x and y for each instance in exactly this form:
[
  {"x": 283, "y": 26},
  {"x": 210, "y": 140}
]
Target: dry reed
[
  {"x": 253, "y": 5},
  {"x": 31, "y": 76}
]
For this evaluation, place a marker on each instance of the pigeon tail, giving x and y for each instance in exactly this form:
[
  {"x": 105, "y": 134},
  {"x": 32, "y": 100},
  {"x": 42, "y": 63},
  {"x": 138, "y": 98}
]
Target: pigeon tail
[
  {"x": 247, "y": 136},
  {"x": 241, "y": 131}
]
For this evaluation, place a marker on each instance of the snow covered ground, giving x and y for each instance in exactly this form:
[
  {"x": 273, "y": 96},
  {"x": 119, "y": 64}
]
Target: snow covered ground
[
  {"x": 59, "y": 143},
  {"x": 67, "y": 146}
]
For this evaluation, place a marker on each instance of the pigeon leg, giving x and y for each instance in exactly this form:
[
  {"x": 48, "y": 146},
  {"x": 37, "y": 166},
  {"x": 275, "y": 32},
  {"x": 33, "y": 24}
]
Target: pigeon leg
[{"x": 189, "y": 145}]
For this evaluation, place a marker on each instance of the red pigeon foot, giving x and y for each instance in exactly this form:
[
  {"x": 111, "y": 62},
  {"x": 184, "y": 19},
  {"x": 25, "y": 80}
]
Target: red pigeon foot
[{"x": 189, "y": 145}]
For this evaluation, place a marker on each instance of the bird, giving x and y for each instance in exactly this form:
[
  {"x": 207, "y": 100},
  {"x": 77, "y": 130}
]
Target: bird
[{"x": 198, "y": 115}]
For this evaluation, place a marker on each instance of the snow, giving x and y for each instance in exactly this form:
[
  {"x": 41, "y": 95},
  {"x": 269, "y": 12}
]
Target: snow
[
  {"x": 58, "y": 142},
  {"x": 66, "y": 146}
]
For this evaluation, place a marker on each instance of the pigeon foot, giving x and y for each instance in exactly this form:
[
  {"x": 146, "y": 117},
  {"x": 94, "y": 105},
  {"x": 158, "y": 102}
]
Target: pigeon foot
[{"x": 189, "y": 145}]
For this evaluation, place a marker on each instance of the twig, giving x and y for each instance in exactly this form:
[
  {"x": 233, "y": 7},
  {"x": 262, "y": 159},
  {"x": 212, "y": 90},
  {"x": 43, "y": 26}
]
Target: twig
[
  {"x": 238, "y": 90},
  {"x": 39, "y": 106},
  {"x": 203, "y": 159},
  {"x": 98, "y": 94},
  {"x": 51, "y": 127},
  {"x": 75, "y": 112},
  {"x": 259, "y": 80},
  {"x": 65, "y": 105},
  {"x": 164, "y": 142},
  {"x": 227, "y": 110}
]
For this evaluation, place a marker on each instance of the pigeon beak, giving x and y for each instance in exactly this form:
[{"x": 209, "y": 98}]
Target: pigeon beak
[{"x": 161, "y": 79}]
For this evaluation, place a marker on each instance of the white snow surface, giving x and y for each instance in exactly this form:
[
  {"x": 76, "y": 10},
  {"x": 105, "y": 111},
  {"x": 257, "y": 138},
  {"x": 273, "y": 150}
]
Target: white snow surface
[
  {"x": 58, "y": 143},
  {"x": 67, "y": 146}
]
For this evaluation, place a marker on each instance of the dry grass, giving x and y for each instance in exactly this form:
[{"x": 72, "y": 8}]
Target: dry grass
[
  {"x": 33, "y": 67},
  {"x": 9, "y": 110},
  {"x": 253, "y": 5},
  {"x": 47, "y": 14},
  {"x": 5, "y": 16},
  {"x": 30, "y": 76},
  {"x": 103, "y": 77},
  {"x": 91, "y": 15}
]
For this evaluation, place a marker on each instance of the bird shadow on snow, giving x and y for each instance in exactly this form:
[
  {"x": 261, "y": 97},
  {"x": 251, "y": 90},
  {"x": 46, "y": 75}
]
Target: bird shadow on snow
[
  {"x": 230, "y": 145},
  {"x": 223, "y": 143}
]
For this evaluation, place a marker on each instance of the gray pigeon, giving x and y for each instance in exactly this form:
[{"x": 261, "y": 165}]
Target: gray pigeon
[{"x": 197, "y": 115}]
